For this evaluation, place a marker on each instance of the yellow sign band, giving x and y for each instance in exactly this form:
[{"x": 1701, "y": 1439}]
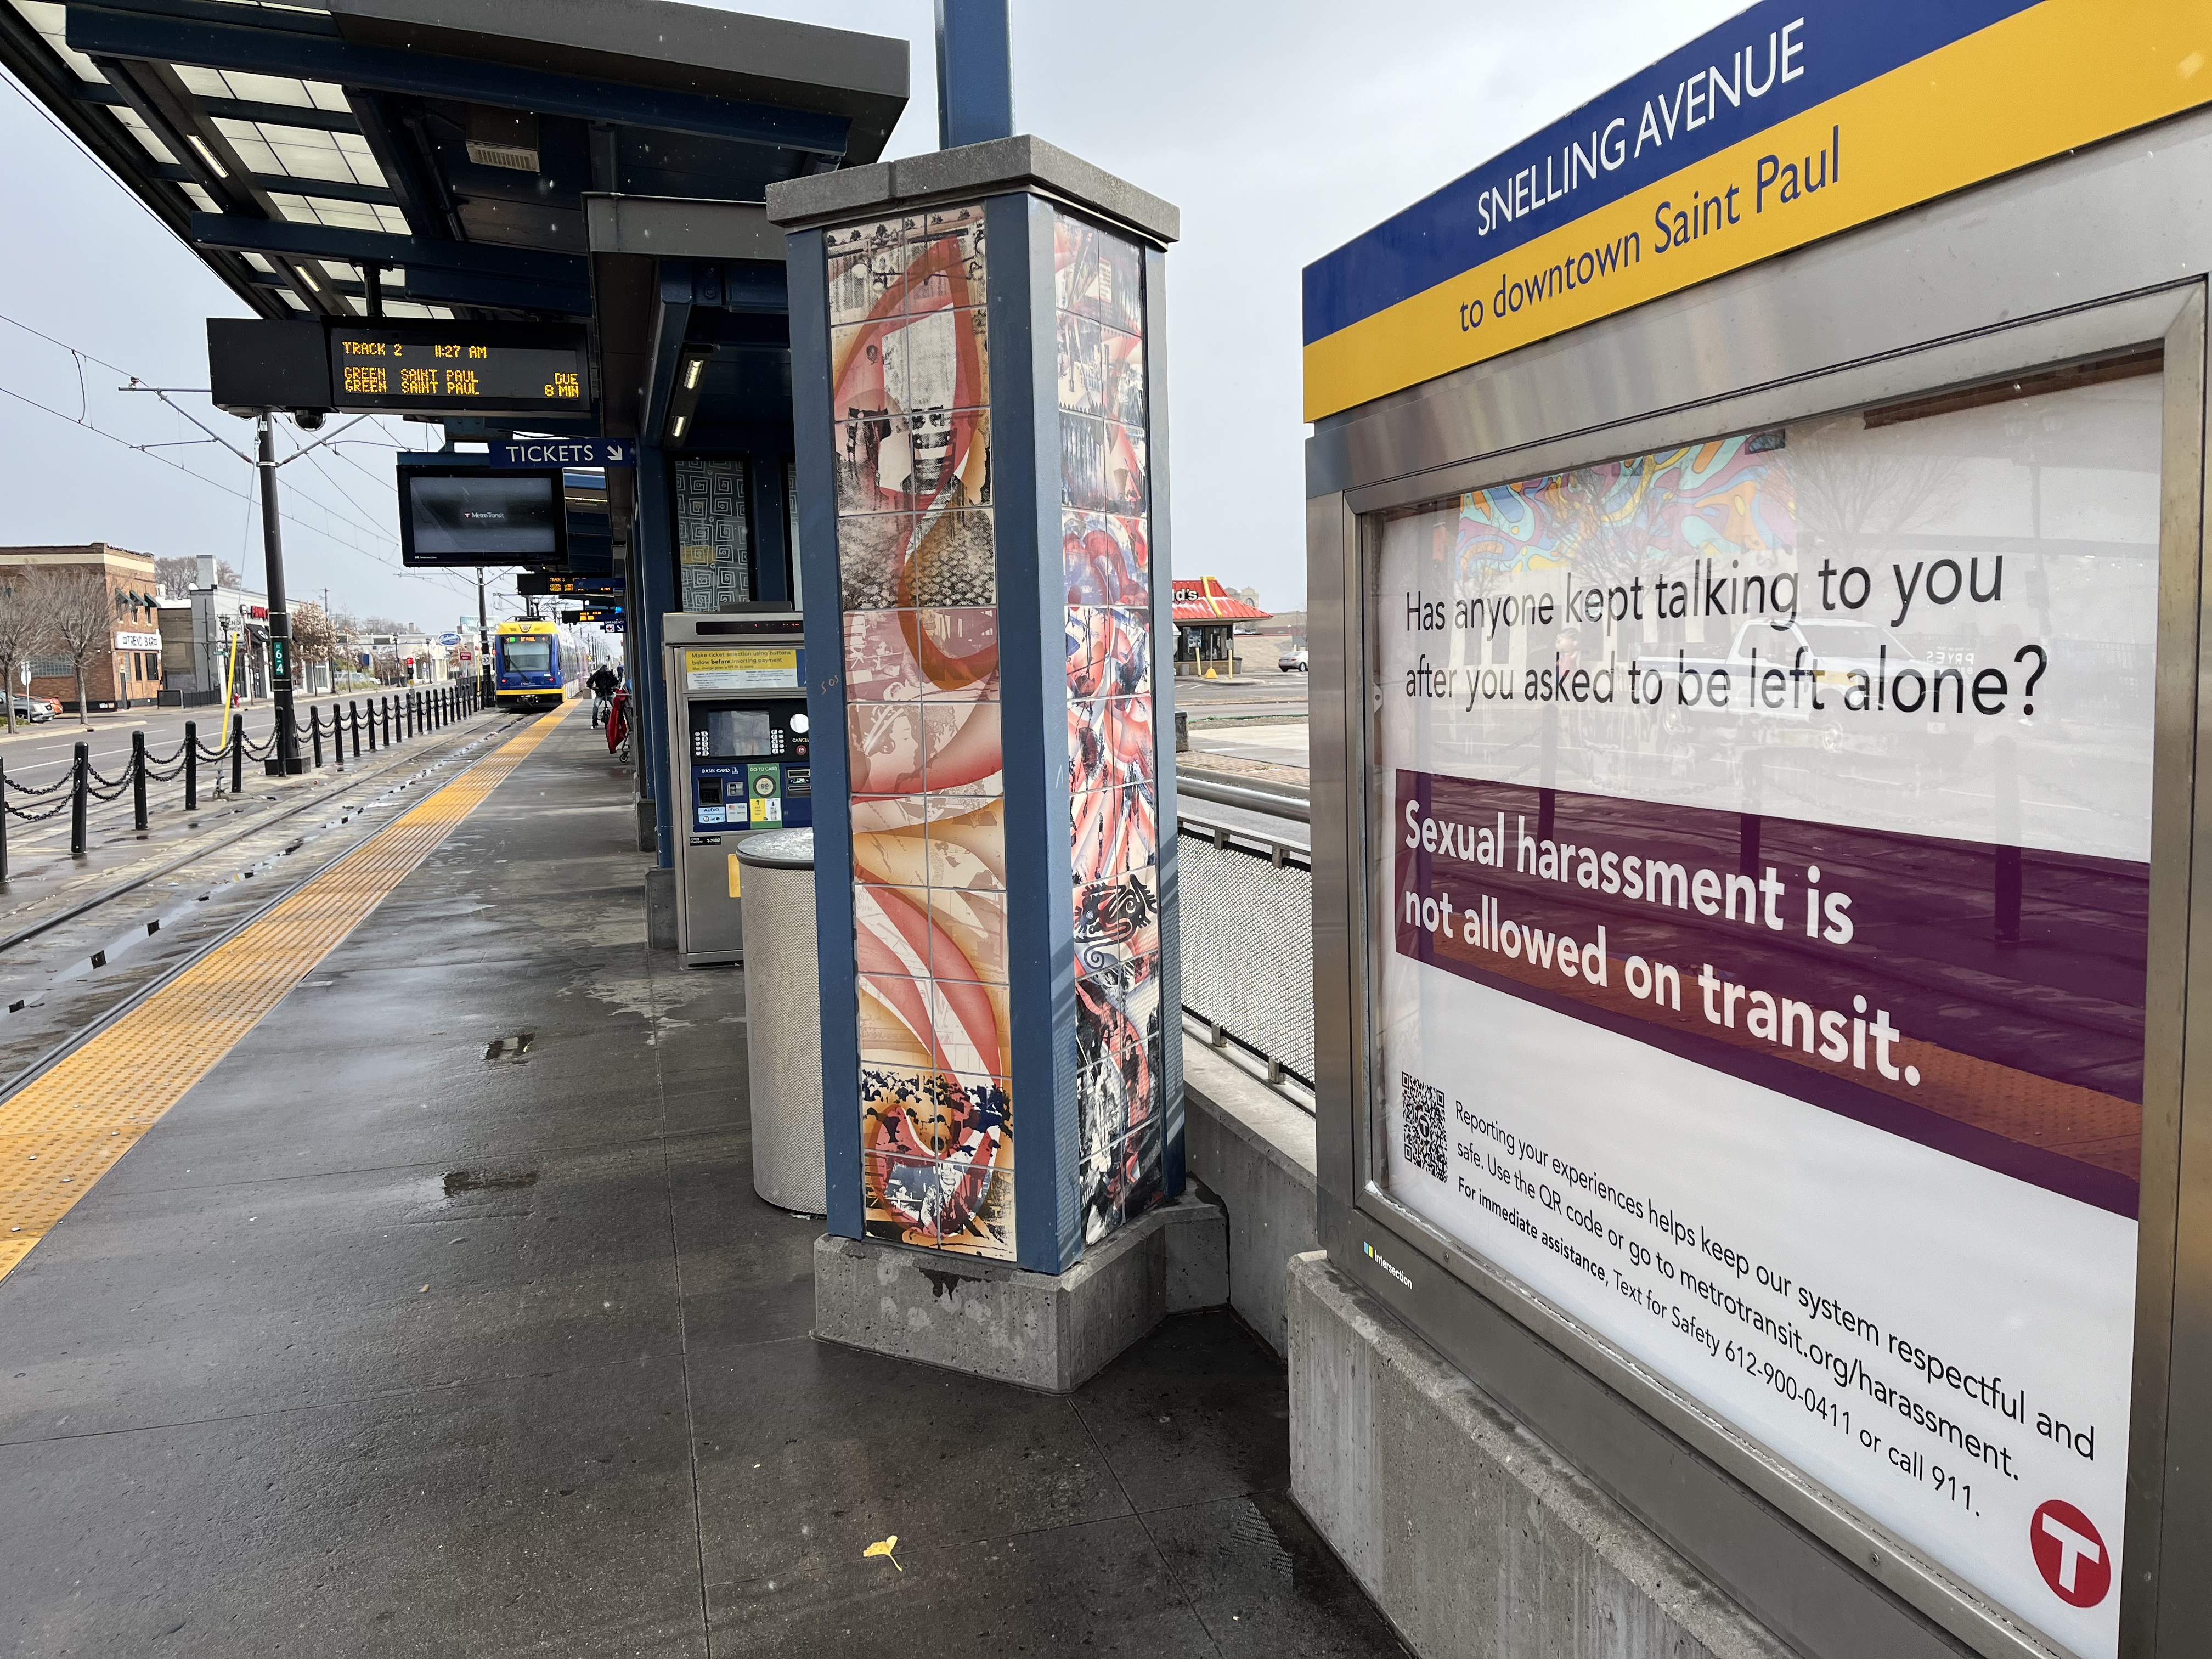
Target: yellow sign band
[{"x": 2061, "y": 75}]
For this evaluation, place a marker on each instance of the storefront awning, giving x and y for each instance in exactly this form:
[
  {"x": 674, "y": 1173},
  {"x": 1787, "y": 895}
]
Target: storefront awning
[{"x": 1206, "y": 600}]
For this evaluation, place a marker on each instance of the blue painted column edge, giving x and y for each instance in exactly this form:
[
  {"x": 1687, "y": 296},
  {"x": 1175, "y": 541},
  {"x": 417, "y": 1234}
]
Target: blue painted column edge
[
  {"x": 1033, "y": 729},
  {"x": 1163, "y": 748},
  {"x": 656, "y": 565},
  {"x": 974, "y": 79},
  {"x": 771, "y": 558},
  {"x": 837, "y": 962}
]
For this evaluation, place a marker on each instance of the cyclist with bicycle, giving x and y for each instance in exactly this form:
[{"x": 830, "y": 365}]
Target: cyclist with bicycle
[{"x": 603, "y": 683}]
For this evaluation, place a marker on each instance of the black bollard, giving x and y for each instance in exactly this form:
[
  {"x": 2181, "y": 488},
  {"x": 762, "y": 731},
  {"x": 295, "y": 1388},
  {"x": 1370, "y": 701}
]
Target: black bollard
[
  {"x": 237, "y": 757},
  {"x": 191, "y": 766},
  {"x": 80, "y": 786},
  {"x": 315, "y": 733},
  {"x": 138, "y": 782}
]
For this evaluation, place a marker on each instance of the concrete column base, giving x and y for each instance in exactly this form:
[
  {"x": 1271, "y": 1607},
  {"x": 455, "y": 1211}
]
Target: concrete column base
[
  {"x": 1472, "y": 1535},
  {"x": 1040, "y": 1330},
  {"x": 648, "y": 826},
  {"x": 1254, "y": 1149},
  {"x": 660, "y": 909}
]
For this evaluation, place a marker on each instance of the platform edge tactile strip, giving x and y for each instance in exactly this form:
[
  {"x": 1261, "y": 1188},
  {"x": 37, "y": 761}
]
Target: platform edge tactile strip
[{"x": 66, "y": 1127}]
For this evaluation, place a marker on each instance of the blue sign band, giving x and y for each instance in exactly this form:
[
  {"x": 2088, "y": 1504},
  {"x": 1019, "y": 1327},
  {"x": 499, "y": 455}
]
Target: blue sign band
[{"x": 1774, "y": 61}]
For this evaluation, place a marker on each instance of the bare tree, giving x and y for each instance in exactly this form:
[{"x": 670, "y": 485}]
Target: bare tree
[
  {"x": 80, "y": 625},
  {"x": 181, "y": 575},
  {"x": 23, "y": 599},
  {"x": 176, "y": 575}
]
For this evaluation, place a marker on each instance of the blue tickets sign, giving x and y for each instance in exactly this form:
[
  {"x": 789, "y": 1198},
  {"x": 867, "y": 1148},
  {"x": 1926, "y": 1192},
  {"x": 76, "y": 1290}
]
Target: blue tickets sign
[{"x": 562, "y": 452}]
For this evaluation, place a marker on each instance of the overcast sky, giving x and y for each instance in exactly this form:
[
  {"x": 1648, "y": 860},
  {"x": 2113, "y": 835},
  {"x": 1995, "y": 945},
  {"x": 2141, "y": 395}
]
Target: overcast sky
[{"x": 1280, "y": 132}]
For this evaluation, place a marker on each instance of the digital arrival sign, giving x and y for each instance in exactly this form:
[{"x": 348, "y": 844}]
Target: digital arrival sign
[
  {"x": 1793, "y": 121},
  {"x": 460, "y": 369},
  {"x": 1762, "y": 890}
]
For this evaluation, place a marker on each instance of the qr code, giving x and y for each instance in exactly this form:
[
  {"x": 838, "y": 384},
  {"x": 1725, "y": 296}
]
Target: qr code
[{"x": 1421, "y": 1124}]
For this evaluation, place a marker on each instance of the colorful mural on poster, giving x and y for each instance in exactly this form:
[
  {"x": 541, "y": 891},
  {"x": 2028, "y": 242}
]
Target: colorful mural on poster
[
  {"x": 910, "y": 374},
  {"x": 1105, "y": 507}
]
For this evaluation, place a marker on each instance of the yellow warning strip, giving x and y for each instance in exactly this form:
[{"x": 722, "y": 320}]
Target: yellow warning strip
[{"x": 65, "y": 1129}]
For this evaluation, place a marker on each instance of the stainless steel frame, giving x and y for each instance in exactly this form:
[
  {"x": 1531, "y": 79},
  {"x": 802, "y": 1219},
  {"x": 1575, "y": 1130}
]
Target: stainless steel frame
[{"x": 2092, "y": 253}]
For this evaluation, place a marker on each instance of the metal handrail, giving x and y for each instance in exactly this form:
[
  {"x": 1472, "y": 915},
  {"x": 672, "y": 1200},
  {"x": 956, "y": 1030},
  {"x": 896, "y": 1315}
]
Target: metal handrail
[{"x": 1275, "y": 804}]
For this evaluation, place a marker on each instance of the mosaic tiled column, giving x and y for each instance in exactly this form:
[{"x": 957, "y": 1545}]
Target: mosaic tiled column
[{"x": 979, "y": 419}]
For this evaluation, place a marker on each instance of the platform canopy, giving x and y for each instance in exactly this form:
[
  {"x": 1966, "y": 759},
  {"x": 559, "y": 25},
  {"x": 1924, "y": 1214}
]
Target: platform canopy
[{"x": 489, "y": 159}]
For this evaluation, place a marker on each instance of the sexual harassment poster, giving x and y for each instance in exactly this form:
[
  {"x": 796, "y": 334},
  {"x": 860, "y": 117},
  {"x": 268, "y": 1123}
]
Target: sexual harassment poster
[{"x": 1761, "y": 894}]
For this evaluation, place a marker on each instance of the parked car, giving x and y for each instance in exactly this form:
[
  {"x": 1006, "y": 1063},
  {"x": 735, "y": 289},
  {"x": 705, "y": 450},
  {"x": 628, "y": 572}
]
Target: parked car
[
  {"x": 1292, "y": 661},
  {"x": 36, "y": 709}
]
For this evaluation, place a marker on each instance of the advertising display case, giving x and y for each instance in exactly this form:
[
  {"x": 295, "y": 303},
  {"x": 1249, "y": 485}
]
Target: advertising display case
[{"x": 1754, "y": 737}]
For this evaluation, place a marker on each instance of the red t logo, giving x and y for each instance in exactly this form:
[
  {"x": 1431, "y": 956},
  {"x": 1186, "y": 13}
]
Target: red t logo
[{"x": 2071, "y": 1555}]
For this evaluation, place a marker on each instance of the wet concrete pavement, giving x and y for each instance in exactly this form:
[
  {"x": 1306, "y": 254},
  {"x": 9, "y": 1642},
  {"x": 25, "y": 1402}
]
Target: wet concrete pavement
[{"x": 390, "y": 1339}]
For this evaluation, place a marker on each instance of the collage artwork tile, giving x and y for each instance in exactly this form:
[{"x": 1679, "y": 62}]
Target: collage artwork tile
[{"x": 911, "y": 418}]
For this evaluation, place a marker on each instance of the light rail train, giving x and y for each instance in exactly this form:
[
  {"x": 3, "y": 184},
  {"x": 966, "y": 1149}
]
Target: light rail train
[{"x": 529, "y": 665}]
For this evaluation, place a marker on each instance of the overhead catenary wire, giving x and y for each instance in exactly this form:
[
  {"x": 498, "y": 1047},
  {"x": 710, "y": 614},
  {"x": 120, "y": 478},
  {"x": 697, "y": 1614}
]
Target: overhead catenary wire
[
  {"x": 85, "y": 423},
  {"x": 80, "y": 358}
]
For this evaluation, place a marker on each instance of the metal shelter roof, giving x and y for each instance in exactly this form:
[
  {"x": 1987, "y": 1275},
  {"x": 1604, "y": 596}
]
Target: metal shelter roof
[
  {"x": 451, "y": 142},
  {"x": 552, "y": 158}
]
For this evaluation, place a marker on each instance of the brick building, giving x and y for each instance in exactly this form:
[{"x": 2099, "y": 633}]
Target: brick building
[{"x": 128, "y": 670}]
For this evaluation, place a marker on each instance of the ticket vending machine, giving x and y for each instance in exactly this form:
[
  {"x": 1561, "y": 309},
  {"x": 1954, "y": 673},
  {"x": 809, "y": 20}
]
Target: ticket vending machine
[{"x": 738, "y": 762}]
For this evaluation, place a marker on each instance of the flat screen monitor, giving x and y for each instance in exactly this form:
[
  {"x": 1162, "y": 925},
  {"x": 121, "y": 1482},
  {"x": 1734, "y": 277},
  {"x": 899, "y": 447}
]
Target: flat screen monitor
[{"x": 471, "y": 517}]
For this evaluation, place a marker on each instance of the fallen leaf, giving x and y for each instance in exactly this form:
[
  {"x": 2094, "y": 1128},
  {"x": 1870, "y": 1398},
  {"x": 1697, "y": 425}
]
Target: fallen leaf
[{"x": 884, "y": 1547}]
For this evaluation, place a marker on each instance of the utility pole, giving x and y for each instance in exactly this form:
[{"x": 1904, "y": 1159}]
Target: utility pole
[
  {"x": 484, "y": 644},
  {"x": 287, "y": 757}
]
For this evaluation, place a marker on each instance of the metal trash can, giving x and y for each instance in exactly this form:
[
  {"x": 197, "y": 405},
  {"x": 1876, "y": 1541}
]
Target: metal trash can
[{"x": 783, "y": 1013}]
